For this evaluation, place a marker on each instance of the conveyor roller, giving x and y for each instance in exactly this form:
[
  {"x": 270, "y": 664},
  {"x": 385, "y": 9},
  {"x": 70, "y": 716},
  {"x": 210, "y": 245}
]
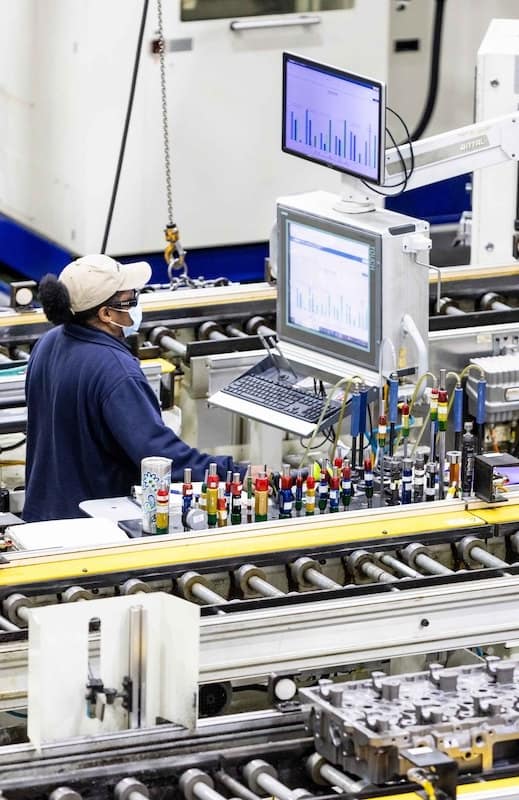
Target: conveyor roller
[{"x": 131, "y": 789}]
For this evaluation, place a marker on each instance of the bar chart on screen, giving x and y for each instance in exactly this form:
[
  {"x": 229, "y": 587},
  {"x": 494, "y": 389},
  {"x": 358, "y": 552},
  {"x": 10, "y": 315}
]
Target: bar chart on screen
[
  {"x": 333, "y": 136},
  {"x": 333, "y": 117},
  {"x": 326, "y": 274}
]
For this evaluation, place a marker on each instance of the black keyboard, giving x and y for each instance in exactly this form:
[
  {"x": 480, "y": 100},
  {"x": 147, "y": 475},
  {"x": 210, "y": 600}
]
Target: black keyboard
[{"x": 283, "y": 398}]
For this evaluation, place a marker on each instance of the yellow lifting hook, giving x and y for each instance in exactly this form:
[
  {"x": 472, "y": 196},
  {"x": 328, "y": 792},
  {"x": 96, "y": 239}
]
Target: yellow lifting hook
[{"x": 174, "y": 253}]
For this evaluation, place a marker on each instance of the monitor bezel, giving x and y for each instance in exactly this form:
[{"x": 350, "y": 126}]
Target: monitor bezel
[
  {"x": 341, "y": 73},
  {"x": 317, "y": 342}
]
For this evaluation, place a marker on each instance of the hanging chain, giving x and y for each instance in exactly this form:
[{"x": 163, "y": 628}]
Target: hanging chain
[
  {"x": 174, "y": 253},
  {"x": 164, "y": 100}
]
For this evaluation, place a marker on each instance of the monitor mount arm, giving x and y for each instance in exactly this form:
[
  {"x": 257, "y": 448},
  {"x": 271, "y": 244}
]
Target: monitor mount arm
[{"x": 483, "y": 144}]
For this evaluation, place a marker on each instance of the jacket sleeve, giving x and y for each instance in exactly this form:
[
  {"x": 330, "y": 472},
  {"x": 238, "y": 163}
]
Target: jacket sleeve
[{"x": 132, "y": 414}]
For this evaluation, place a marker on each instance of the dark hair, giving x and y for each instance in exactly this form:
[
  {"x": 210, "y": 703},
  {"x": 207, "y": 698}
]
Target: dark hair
[{"x": 55, "y": 300}]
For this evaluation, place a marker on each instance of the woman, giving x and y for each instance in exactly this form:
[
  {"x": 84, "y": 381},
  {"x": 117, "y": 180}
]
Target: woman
[{"x": 92, "y": 415}]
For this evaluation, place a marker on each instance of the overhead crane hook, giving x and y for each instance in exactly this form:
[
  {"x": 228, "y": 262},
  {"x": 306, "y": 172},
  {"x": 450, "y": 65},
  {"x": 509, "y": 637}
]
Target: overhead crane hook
[{"x": 174, "y": 253}]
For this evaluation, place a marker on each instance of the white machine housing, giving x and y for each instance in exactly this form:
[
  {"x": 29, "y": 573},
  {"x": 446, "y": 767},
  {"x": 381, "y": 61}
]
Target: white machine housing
[
  {"x": 66, "y": 68},
  {"x": 138, "y": 653},
  {"x": 404, "y": 312},
  {"x": 494, "y": 192}
]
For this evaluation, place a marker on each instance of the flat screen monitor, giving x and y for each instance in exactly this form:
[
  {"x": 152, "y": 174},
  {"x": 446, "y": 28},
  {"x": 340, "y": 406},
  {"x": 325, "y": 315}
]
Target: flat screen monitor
[
  {"x": 334, "y": 118},
  {"x": 329, "y": 287}
]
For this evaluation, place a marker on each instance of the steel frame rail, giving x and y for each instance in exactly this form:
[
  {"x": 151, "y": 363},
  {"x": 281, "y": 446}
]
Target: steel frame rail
[{"x": 327, "y": 634}]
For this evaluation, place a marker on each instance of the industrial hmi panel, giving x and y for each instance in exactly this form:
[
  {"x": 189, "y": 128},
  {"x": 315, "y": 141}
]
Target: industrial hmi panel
[
  {"x": 329, "y": 287},
  {"x": 333, "y": 117}
]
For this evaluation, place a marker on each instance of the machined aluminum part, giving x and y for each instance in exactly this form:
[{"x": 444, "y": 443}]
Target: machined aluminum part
[
  {"x": 502, "y": 390},
  {"x": 468, "y": 713}
]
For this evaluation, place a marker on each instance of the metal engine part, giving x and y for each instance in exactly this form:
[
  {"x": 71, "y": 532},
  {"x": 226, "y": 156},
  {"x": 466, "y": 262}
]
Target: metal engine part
[{"x": 470, "y": 714}]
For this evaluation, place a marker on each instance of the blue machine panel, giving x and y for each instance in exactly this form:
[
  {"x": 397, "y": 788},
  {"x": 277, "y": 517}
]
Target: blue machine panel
[
  {"x": 28, "y": 254},
  {"x": 440, "y": 203}
]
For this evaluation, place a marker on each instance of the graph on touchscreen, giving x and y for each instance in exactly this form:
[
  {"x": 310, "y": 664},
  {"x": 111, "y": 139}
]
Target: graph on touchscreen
[
  {"x": 333, "y": 119},
  {"x": 329, "y": 285},
  {"x": 333, "y": 136},
  {"x": 328, "y": 307}
]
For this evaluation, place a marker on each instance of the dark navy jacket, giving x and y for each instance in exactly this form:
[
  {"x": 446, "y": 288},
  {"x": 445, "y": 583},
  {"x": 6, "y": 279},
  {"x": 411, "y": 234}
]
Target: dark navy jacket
[{"x": 92, "y": 417}]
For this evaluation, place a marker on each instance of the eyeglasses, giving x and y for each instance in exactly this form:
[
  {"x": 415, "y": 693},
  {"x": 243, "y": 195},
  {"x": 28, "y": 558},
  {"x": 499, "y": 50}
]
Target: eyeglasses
[{"x": 122, "y": 305}]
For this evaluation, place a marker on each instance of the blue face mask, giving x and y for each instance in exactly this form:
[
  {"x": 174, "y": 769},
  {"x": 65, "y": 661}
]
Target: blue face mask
[{"x": 136, "y": 316}]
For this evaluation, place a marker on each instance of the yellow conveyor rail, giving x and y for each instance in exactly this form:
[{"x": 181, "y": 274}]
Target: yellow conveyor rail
[{"x": 242, "y": 542}]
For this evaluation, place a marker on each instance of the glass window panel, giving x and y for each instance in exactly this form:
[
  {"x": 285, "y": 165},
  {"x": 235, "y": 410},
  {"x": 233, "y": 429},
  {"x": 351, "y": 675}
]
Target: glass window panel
[{"x": 220, "y": 9}]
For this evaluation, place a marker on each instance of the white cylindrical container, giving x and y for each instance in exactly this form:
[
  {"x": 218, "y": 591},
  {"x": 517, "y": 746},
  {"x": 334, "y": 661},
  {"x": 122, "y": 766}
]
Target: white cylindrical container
[{"x": 154, "y": 471}]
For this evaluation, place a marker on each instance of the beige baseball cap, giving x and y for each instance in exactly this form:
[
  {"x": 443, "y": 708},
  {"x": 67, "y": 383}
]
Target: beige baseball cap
[{"x": 91, "y": 280}]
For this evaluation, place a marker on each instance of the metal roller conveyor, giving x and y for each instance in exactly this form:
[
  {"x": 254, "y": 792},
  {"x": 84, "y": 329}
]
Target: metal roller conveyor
[
  {"x": 514, "y": 541},
  {"x": 197, "y": 785},
  {"x": 237, "y": 545},
  {"x": 262, "y": 778},
  {"x": 310, "y": 581},
  {"x": 131, "y": 789},
  {"x": 166, "y": 339},
  {"x": 75, "y": 594},
  {"x": 364, "y": 562},
  {"x": 397, "y": 566},
  {"x": 134, "y": 586},
  {"x": 65, "y": 793},
  {"x": 325, "y": 599},
  {"x": 162, "y": 761},
  {"x": 258, "y": 326},
  {"x": 7, "y": 625},
  {"x": 449, "y": 307},
  {"x": 235, "y": 332},
  {"x": 307, "y": 571},
  {"x": 211, "y": 330},
  {"x": 253, "y": 579},
  {"x": 282, "y": 575},
  {"x": 273, "y": 756},
  {"x": 322, "y": 772},
  {"x": 472, "y": 550},
  {"x": 16, "y": 607},
  {"x": 234, "y": 787},
  {"x": 417, "y": 555},
  {"x": 493, "y": 302},
  {"x": 254, "y": 644},
  {"x": 164, "y": 304},
  {"x": 194, "y": 586}
]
